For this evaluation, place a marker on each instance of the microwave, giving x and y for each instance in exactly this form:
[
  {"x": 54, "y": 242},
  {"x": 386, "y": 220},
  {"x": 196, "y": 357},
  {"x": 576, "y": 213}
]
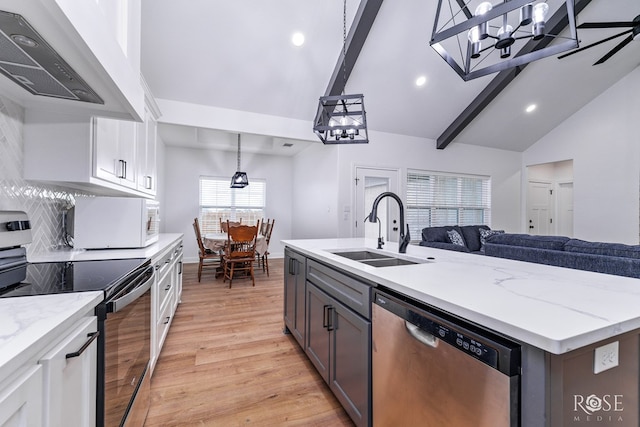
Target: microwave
[{"x": 114, "y": 222}]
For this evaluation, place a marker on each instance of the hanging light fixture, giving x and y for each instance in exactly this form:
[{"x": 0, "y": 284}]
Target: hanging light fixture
[
  {"x": 239, "y": 179},
  {"x": 480, "y": 43},
  {"x": 341, "y": 119}
]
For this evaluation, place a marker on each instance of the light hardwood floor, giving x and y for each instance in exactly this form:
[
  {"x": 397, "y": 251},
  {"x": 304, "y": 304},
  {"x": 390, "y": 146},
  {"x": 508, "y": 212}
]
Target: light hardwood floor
[{"x": 226, "y": 361}]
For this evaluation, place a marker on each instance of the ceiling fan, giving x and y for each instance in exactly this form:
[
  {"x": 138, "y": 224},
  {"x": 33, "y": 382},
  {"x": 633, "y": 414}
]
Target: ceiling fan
[{"x": 635, "y": 35}]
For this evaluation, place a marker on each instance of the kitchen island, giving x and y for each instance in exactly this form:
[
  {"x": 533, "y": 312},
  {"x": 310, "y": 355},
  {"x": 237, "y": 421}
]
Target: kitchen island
[{"x": 559, "y": 316}]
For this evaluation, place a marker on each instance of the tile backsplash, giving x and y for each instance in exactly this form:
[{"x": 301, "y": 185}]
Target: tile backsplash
[{"x": 44, "y": 204}]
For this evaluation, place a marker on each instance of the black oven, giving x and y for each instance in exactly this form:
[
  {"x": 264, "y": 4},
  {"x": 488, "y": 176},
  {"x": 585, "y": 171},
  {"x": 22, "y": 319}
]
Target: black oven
[{"x": 124, "y": 322}]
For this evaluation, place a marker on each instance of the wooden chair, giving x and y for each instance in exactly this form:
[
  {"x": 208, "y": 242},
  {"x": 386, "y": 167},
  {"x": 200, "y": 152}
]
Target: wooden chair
[
  {"x": 264, "y": 257},
  {"x": 241, "y": 251},
  {"x": 224, "y": 225},
  {"x": 204, "y": 253}
]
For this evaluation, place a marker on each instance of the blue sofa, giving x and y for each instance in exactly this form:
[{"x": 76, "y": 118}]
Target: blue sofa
[
  {"x": 437, "y": 237},
  {"x": 609, "y": 258}
]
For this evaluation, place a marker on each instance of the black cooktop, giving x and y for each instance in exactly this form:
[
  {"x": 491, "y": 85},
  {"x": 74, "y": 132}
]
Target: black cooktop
[{"x": 62, "y": 277}]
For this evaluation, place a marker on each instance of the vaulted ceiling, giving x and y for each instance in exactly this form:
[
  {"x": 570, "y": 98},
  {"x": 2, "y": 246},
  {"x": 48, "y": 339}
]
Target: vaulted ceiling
[{"x": 238, "y": 55}]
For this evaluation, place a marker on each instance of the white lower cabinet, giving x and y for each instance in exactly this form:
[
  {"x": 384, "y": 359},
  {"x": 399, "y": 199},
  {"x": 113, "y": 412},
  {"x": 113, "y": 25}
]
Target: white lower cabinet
[
  {"x": 21, "y": 399},
  {"x": 70, "y": 377},
  {"x": 166, "y": 294},
  {"x": 58, "y": 387}
]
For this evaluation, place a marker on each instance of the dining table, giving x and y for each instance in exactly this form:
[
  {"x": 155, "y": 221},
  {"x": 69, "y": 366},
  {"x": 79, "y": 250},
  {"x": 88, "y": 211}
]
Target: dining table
[{"x": 218, "y": 241}]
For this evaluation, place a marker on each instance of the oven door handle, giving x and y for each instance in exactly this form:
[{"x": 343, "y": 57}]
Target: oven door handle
[{"x": 128, "y": 298}]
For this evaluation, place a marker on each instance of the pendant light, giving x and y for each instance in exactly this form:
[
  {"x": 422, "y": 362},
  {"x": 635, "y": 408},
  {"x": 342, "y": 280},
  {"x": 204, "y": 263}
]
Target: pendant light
[
  {"x": 341, "y": 119},
  {"x": 499, "y": 35},
  {"x": 239, "y": 179}
]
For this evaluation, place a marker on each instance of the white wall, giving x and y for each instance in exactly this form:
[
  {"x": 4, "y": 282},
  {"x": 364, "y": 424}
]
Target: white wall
[
  {"x": 603, "y": 141},
  {"x": 325, "y": 178},
  {"x": 183, "y": 168}
]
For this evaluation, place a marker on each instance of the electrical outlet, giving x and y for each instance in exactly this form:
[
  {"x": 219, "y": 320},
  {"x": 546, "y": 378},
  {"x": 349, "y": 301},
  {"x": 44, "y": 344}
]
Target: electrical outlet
[{"x": 605, "y": 357}]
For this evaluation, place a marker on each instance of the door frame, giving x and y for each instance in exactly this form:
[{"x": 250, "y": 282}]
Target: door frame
[{"x": 399, "y": 190}]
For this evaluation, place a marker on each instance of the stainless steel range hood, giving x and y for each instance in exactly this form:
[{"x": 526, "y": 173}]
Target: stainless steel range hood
[{"x": 28, "y": 60}]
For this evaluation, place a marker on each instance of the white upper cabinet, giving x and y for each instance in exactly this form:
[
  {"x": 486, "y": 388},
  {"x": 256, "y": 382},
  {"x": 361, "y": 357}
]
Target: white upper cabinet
[
  {"x": 114, "y": 148},
  {"x": 98, "y": 155},
  {"x": 99, "y": 40}
]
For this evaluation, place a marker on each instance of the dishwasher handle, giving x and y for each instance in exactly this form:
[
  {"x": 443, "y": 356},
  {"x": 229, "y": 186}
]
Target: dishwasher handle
[{"x": 424, "y": 337}]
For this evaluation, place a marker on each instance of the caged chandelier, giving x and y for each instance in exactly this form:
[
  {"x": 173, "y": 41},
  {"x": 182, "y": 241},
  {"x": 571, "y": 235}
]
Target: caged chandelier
[
  {"x": 476, "y": 37},
  {"x": 341, "y": 119},
  {"x": 239, "y": 179}
]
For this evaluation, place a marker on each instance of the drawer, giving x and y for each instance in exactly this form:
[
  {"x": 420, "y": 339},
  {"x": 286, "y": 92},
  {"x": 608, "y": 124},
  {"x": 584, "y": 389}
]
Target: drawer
[
  {"x": 163, "y": 322},
  {"x": 165, "y": 290},
  {"x": 353, "y": 293},
  {"x": 164, "y": 265}
]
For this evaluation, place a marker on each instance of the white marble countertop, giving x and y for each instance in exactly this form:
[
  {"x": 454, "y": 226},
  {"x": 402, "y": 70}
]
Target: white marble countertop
[
  {"x": 552, "y": 308},
  {"x": 165, "y": 240},
  {"x": 28, "y": 325}
]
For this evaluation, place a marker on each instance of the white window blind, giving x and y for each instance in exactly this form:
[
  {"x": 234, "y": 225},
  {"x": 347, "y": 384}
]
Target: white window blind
[
  {"x": 219, "y": 202},
  {"x": 436, "y": 199}
]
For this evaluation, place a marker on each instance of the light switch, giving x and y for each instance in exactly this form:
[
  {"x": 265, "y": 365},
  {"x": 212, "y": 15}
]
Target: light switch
[{"x": 605, "y": 357}]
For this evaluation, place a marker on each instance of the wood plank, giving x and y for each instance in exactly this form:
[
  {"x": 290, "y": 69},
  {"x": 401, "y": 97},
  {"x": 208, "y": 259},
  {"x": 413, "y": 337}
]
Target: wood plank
[{"x": 226, "y": 361}]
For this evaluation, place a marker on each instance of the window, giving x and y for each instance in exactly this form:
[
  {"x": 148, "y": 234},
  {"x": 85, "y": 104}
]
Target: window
[
  {"x": 218, "y": 203},
  {"x": 437, "y": 199}
]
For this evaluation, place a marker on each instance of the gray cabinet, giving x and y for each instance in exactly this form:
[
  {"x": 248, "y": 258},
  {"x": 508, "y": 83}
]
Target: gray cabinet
[
  {"x": 294, "y": 294},
  {"x": 338, "y": 338}
]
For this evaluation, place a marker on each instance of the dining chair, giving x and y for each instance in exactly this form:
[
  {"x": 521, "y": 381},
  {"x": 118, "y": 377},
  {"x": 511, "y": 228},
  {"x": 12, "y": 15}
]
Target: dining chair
[
  {"x": 224, "y": 225},
  {"x": 240, "y": 252},
  {"x": 264, "y": 256},
  {"x": 205, "y": 255}
]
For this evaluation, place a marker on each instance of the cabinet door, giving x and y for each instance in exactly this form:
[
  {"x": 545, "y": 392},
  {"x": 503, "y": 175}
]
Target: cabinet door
[
  {"x": 114, "y": 144},
  {"x": 289, "y": 291},
  {"x": 350, "y": 368},
  {"x": 294, "y": 300},
  {"x": 319, "y": 319},
  {"x": 21, "y": 400},
  {"x": 146, "y": 161},
  {"x": 105, "y": 147},
  {"x": 70, "y": 378}
]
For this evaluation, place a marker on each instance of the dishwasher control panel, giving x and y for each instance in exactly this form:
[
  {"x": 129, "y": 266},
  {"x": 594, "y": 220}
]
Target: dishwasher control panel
[{"x": 463, "y": 341}]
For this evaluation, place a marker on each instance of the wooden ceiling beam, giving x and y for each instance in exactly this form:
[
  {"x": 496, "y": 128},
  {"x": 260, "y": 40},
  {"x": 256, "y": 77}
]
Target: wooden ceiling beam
[
  {"x": 362, "y": 23},
  {"x": 558, "y": 22}
]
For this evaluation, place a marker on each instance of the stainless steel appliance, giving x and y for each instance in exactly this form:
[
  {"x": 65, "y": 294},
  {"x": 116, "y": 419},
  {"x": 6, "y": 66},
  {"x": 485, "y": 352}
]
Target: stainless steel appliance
[
  {"x": 432, "y": 369},
  {"x": 124, "y": 317},
  {"x": 114, "y": 222}
]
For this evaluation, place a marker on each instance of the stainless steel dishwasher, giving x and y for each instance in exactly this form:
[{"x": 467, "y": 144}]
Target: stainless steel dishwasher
[{"x": 432, "y": 369}]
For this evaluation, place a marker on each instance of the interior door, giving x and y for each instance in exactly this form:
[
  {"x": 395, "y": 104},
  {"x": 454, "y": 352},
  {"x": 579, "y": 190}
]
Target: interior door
[
  {"x": 565, "y": 209},
  {"x": 539, "y": 208},
  {"x": 370, "y": 183}
]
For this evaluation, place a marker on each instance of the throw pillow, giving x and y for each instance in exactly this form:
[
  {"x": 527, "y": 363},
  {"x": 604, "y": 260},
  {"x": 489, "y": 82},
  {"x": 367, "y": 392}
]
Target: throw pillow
[
  {"x": 484, "y": 234},
  {"x": 455, "y": 238}
]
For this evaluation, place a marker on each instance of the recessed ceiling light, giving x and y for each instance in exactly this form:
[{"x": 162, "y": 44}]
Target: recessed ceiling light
[
  {"x": 530, "y": 108},
  {"x": 421, "y": 81},
  {"x": 297, "y": 39}
]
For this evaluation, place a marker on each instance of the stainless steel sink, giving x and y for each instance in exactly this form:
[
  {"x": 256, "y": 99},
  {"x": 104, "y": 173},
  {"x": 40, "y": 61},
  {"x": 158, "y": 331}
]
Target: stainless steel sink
[
  {"x": 376, "y": 259},
  {"x": 362, "y": 255},
  {"x": 388, "y": 262}
]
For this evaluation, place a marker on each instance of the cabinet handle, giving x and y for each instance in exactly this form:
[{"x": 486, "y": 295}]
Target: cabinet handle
[
  {"x": 180, "y": 267},
  {"x": 167, "y": 320},
  {"x": 330, "y": 312},
  {"x": 92, "y": 337},
  {"x": 291, "y": 272},
  {"x": 148, "y": 180},
  {"x": 167, "y": 288},
  {"x": 325, "y": 316},
  {"x": 123, "y": 169}
]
